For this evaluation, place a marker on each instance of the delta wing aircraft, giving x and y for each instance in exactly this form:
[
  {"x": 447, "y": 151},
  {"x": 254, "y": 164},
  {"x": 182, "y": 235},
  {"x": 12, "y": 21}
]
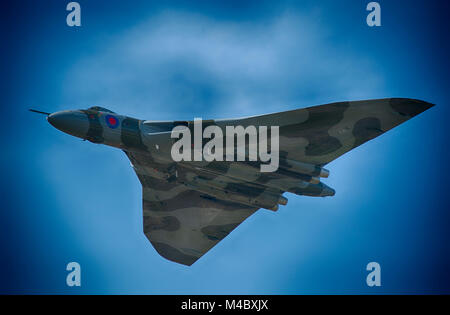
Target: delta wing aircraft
[{"x": 190, "y": 206}]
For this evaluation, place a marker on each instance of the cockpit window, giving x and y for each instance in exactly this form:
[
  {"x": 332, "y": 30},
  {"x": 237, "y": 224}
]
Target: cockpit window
[{"x": 101, "y": 109}]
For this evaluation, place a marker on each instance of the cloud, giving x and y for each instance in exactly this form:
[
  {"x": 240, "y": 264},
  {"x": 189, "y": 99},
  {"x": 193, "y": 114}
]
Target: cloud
[{"x": 180, "y": 65}]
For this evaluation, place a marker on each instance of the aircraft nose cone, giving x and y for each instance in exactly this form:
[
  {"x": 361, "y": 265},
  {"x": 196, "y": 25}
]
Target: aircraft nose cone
[{"x": 74, "y": 123}]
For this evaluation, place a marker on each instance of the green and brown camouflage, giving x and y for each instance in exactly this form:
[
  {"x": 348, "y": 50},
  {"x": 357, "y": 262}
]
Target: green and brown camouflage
[{"x": 190, "y": 206}]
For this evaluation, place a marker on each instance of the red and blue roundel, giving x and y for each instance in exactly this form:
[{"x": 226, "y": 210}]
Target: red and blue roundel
[{"x": 112, "y": 121}]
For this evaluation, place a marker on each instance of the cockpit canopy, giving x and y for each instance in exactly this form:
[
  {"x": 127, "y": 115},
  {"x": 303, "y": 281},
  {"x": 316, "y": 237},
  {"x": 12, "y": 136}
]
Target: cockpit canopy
[{"x": 101, "y": 109}]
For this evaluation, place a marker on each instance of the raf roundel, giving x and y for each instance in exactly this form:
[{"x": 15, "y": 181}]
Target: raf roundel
[{"x": 111, "y": 121}]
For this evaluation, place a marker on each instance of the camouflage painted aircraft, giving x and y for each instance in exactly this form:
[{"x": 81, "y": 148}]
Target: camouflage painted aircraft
[{"x": 188, "y": 207}]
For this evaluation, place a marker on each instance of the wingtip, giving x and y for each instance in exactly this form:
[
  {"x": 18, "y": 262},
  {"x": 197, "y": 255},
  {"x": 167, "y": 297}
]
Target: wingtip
[
  {"x": 174, "y": 254},
  {"x": 425, "y": 104},
  {"x": 410, "y": 107}
]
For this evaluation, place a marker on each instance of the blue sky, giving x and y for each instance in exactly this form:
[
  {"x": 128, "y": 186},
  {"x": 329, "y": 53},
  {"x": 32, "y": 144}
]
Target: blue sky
[{"x": 67, "y": 200}]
